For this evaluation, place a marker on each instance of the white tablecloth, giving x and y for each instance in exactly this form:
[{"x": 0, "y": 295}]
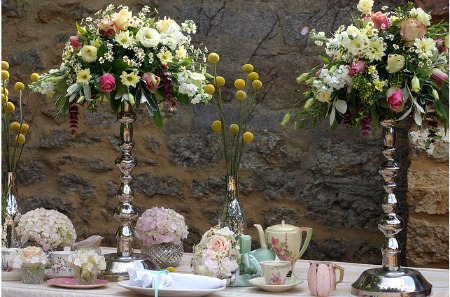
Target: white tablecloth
[{"x": 439, "y": 278}]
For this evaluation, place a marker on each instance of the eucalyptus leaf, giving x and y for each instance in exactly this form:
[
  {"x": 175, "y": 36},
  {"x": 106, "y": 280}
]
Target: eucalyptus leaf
[
  {"x": 332, "y": 115},
  {"x": 341, "y": 106},
  {"x": 418, "y": 118}
]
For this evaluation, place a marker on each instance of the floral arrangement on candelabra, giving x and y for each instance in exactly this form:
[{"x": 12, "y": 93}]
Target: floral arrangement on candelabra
[
  {"x": 234, "y": 136},
  {"x": 46, "y": 228},
  {"x": 162, "y": 231},
  {"x": 389, "y": 64},
  {"x": 15, "y": 130},
  {"x": 216, "y": 254},
  {"x": 120, "y": 57},
  {"x": 87, "y": 264},
  {"x": 31, "y": 260},
  {"x": 384, "y": 67}
]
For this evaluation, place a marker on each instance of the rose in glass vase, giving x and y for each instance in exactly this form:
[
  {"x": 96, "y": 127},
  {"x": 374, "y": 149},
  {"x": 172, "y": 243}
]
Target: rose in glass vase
[
  {"x": 47, "y": 228},
  {"x": 161, "y": 232},
  {"x": 121, "y": 56},
  {"x": 88, "y": 264},
  {"x": 386, "y": 64},
  {"x": 216, "y": 254},
  {"x": 32, "y": 262}
]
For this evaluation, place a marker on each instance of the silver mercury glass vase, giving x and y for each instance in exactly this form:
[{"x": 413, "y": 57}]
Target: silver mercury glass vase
[
  {"x": 390, "y": 280},
  {"x": 10, "y": 210},
  {"x": 117, "y": 264},
  {"x": 232, "y": 213}
]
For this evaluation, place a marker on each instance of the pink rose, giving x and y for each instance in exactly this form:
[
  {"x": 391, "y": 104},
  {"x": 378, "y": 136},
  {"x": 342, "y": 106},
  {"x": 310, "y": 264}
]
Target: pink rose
[
  {"x": 74, "y": 41},
  {"x": 438, "y": 76},
  {"x": 107, "y": 82},
  {"x": 218, "y": 244},
  {"x": 380, "y": 20},
  {"x": 152, "y": 81},
  {"x": 356, "y": 68},
  {"x": 412, "y": 29},
  {"x": 394, "y": 97},
  {"x": 107, "y": 27}
]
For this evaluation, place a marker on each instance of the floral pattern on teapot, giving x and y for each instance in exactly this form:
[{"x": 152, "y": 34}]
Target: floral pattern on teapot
[{"x": 281, "y": 248}]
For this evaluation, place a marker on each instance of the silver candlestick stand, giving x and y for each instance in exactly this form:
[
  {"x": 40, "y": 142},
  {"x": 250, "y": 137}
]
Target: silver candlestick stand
[
  {"x": 391, "y": 280},
  {"x": 117, "y": 264}
]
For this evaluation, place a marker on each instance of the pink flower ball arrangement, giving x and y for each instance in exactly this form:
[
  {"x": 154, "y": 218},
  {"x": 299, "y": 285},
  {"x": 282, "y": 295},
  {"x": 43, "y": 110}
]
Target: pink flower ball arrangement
[
  {"x": 216, "y": 255},
  {"x": 158, "y": 225}
]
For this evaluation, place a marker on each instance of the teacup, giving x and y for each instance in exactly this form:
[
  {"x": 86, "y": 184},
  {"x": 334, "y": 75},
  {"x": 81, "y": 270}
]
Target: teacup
[
  {"x": 59, "y": 261},
  {"x": 275, "y": 272},
  {"x": 9, "y": 272},
  {"x": 325, "y": 284}
]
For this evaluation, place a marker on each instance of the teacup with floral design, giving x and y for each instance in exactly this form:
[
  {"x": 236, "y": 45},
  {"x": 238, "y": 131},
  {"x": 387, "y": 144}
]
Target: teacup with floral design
[{"x": 275, "y": 272}]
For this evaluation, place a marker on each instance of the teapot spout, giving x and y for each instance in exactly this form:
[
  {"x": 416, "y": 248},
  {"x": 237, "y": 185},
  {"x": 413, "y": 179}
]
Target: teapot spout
[{"x": 262, "y": 237}]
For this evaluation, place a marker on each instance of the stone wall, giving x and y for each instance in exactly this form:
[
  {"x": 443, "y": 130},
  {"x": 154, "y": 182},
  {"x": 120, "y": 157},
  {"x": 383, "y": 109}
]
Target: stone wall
[{"x": 324, "y": 179}]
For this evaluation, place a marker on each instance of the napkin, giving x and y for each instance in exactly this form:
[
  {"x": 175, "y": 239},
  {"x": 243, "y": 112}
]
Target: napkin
[{"x": 164, "y": 279}]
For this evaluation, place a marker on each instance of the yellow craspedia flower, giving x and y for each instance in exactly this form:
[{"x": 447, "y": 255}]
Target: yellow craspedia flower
[
  {"x": 241, "y": 95},
  {"x": 239, "y": 83},
  {"x": 5, "y": 91},
  {"x": 213, "y": 58},
  {"x": 5, "y": 75},
  {"x": 171, "y": 269},
  {"x": 253, "y": 76},
  {"x": 247, "y": 68},
  {"x": 19, "y": 86},
  {"x": 234, "y": 129},
  {"x": 24, "y": 128},
  {"x": 216, "y": 126},
  {"x": 4, "y": 99},
  {"x": 5, "y": 65},
  {"x": 209, "y": 89},
  {"x": 219, "y": 81},
  {"x": 20, "y": 139},
  {"x": 247, "y": 136},
  {"x": 10, "y": 106},
  {"x": 256, "y": 84},
  {"x": 15, "y": 127},
  {"x": 34, "y": 77}
]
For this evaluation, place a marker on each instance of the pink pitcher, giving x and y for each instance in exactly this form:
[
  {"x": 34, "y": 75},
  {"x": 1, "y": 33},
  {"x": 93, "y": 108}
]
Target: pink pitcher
[{"x": 322, "y": 278}]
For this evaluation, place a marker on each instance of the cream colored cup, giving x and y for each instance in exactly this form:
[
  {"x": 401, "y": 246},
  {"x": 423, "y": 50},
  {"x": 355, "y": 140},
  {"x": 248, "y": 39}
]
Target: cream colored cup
[
  {"x": 9, "y": 272},
  {"x": 275, "y": 272},
  {"x": 59, "y": 260}
]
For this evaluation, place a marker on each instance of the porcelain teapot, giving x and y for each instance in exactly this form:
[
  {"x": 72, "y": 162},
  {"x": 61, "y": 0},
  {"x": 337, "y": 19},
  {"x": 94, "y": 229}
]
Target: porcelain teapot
[{"x": 285, "y": 240}]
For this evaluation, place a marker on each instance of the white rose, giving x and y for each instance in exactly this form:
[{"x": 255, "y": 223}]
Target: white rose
[
  {"x": 420, "y": 15},
  {"x": 148, "y": 37},
  {"x": 395, "y": 63},
  {"x": 352, "y": 32},
  {"x": 323, "y": 96},
  {"x": 365, "y": 6},
  {"x": 89, "y": 53},
  {"x": 164, "y": 25}
]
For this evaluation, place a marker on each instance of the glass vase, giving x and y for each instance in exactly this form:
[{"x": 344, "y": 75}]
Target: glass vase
[
  {"x": 166, "y": 254},
  {"x": 10, "y": 210},
  {"x": 32, "y": 273},
  {"x": 232, "y": 215},
  {"x": 85, "y": 277}
]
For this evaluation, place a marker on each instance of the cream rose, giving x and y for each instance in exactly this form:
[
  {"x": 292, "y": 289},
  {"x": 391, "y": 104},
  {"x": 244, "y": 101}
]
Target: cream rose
[
  {"x": 420, "y": 15},
  {"x": 148, "y": 37},
  {"x": 323, "y": 96},
  {"x": 218, "y": 244},
  {"x": 88, "y": 53},
  {"x": 412, "y": 29},
  {"x": 164, "y": 25},
  {"x": 122, "y": 18},
  {"x": 31, "y": 252},
  {"x": 365, "y": 6},
  {"x": 395, "y": 63}
]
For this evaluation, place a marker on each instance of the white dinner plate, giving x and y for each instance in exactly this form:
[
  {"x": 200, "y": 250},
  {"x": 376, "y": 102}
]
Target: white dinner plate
[
  {"x": 69, "y": 282},
  {"x": 260, "y": 282},
  {"x": 176, "y": 292}
]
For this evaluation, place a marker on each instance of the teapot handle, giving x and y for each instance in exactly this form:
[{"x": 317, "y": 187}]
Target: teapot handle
[{"x": 308, "y": 231}]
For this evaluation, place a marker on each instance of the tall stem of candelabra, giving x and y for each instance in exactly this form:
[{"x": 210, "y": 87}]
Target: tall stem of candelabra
[
  {"x": 391, "y": 280},
  {"x": 117, "y": 264}
]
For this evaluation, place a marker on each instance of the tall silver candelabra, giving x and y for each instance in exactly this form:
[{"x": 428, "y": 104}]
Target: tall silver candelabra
[
  {"x": 118, "y": 263},
  {"x": 391, "y": 280}
]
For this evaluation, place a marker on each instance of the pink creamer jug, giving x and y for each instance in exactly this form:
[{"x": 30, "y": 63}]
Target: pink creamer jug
[{"x": 322, "y": 278}]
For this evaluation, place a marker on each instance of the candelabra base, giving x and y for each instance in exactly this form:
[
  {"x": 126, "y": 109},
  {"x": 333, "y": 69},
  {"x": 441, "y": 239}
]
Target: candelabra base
[
  {"x": 381, "y": 283},
  {"x": 117, "y": 266}
]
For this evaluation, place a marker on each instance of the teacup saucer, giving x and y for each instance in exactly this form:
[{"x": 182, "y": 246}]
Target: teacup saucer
[
  {"x": 50, "y": 274},
  {"x": 261, "y": 283}
]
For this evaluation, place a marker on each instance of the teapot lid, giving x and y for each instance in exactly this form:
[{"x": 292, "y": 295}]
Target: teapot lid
[{"x": 283, "y": 227}]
